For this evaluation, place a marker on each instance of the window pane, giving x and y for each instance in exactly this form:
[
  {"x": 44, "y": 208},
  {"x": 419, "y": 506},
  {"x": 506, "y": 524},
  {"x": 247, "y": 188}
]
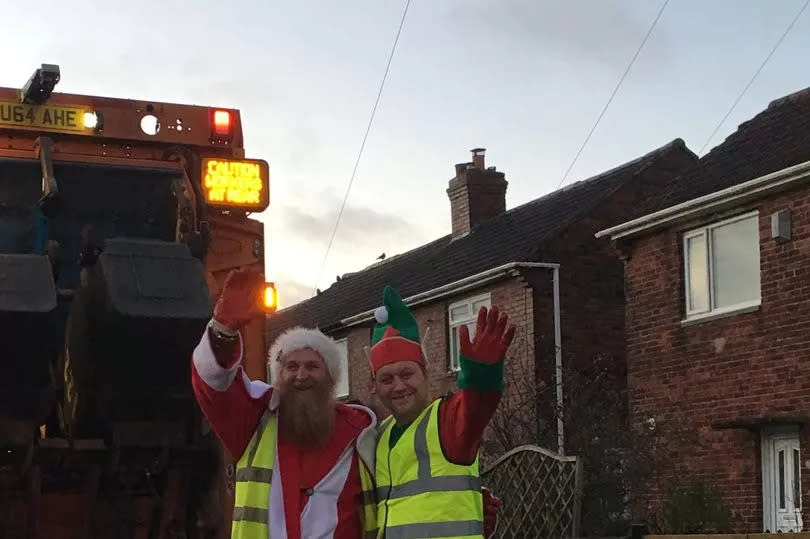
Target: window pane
[
  {"x": 342, "y": 388},
  {"x": 459, "y": 312},
  {"x": 735, "y": 259},
  {"x": 698, "y": 293},
  {"x": 471, "y": 329},
  {"x": 781, "y": 480},
  {"x": 454, "y": 364},
  {"x": 478, "y": 304},
  {"x": 797, "y": 483}
]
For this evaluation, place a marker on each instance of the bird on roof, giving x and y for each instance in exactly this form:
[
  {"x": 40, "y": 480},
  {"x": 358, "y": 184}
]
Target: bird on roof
[{"x": 381, "y": 257}]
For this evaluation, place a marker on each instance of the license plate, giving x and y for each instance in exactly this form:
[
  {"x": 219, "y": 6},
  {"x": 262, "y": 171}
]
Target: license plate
[{"x": 44, "y": 117}]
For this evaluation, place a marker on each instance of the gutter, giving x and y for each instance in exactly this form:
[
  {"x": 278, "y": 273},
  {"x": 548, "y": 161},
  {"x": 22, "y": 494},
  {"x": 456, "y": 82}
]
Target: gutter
[
  {"x": 479, "y": 279},
  {"x": 725, "y": 197}
]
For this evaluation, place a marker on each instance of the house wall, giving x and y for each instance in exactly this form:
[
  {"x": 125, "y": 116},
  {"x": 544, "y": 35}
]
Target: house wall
[
  {"x": 592, "y": 299},
  {"x": 593, "y": 304},
  {"x": 698, "y": 380}
]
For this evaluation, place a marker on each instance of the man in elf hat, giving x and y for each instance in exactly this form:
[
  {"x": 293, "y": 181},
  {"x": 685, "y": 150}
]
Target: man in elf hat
[
  {"x": 427, "y": 472},
  {"x": 305, "y": 461}
]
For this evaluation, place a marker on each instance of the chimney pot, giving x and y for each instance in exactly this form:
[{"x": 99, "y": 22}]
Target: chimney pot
[{"x": 478, "y": 157}]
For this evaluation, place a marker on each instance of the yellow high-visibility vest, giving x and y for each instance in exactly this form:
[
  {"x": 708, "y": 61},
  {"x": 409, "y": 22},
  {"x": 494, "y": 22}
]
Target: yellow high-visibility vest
[
  {"x": 419, "y": 492},
  {"x": 254, "y": 483}
]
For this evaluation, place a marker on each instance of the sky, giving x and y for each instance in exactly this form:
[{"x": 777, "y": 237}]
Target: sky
[{"x": 524, "y": 79}]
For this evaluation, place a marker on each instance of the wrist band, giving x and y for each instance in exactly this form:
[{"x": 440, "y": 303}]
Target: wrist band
[{"x": 222, "y": 330}]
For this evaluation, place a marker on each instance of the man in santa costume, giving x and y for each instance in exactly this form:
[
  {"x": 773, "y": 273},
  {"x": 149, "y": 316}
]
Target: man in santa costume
[
  {"x": 305, "y": 461},
  {"x": 427, "y": 473}
]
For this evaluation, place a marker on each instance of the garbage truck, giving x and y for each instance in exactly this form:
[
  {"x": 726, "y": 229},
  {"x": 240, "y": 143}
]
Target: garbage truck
[{"x": 119, "y": 221}]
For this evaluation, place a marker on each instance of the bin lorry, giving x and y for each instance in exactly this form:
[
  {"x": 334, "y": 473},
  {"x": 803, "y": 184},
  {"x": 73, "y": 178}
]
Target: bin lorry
[{"x": 119, "y": 220}]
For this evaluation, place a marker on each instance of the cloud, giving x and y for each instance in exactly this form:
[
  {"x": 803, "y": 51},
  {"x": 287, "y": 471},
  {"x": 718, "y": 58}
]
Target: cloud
[
  {"x": 595, "y": 32},
  {"x": 359, "y": 226},
  {"x": 291, "y": 291}
]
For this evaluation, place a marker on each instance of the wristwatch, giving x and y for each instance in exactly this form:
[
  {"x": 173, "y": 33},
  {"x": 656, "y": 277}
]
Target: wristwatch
[{"x": 222, "y": 333}]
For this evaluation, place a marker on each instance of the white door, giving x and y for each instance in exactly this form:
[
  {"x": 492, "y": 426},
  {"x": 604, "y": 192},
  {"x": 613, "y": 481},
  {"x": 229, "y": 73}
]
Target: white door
[{"x": 782, "y": 500}]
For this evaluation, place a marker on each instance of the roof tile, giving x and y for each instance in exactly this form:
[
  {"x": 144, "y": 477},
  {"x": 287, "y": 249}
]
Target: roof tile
[{"x": 776, "y": 138}]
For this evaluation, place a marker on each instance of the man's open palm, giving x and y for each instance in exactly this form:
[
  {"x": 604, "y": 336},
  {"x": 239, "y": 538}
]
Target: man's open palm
[
  {"x": 492, "y": 338},
  {"x": 239, "y": 301}
]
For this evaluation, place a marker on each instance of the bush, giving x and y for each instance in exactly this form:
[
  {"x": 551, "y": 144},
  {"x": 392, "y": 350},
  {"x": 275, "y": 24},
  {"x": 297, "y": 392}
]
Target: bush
[{"x": 695, "y": 508}]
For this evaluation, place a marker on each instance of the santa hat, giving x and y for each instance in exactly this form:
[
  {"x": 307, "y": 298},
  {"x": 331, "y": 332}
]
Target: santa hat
[
  {"x": 396, "y": 334},
  {"x": 299, "y": 338}
]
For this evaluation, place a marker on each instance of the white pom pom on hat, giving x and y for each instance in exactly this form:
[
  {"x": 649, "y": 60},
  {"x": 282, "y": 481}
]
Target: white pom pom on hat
[
  {"x": 299, "y": 338},
  {"x": 381, "y": 314}
]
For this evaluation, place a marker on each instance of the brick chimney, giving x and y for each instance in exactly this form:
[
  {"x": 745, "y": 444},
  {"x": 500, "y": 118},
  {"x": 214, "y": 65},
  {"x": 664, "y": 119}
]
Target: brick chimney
[{"x": 476, "y": 194}]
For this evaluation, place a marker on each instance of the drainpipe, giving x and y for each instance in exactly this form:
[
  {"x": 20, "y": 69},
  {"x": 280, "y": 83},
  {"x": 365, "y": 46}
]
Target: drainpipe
[{"x": 558, "y": 363}]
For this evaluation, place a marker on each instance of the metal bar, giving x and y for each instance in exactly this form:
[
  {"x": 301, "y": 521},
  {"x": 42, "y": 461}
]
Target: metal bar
[
  {"x": 174, "y": 501},
  {"x": 90, "y": 509},
  {"x": 578, "y": 482},
  {"x": 34, "y": 499},
  {"x": 80, "y": 159},
  {"x": 45, "y": 154},
  {"x": 558, "y": 364}
]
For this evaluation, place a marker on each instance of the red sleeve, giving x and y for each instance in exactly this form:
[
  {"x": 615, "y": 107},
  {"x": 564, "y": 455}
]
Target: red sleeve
[
  {"x": 232, "y": 404},
  {"x": 462, "y": 419}
]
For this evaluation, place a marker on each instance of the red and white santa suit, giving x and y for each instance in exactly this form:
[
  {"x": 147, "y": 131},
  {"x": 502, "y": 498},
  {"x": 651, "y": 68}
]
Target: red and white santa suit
[{"x": 234, "y": 404}]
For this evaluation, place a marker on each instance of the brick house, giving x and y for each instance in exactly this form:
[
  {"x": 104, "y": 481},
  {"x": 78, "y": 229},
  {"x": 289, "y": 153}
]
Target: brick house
[
  {"x": 717, "y": 281},
  {"x": 512, "y": 259}
]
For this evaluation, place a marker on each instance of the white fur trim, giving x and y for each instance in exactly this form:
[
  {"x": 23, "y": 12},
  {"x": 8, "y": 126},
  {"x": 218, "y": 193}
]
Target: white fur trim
[
  {"x": 212, "y": 374},
  {"x": 367, "y": 440},
  {"x": 299, "y": 338},
  {"x": 255, "y": 388}
]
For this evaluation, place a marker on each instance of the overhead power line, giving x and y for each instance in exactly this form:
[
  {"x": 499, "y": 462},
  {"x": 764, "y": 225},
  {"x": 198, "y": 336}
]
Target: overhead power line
[
  {"x": 756, "y": 74},
  {"x": 362, "y": 147},
  {"x": 613, "y": 94}
]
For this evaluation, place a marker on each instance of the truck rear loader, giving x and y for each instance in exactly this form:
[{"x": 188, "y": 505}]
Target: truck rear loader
[{"x": 119, "y": 220}]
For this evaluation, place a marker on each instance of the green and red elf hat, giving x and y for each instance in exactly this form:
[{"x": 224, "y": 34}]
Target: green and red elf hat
[{"x": 396, "y": 334}]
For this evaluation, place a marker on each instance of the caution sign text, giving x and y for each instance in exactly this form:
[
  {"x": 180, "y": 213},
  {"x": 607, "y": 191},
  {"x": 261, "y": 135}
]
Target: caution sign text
[{"x": 236, "y": 183}]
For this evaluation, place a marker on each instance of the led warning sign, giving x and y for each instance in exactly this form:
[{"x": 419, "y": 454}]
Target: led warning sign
[{"x": 236, "y": 183}]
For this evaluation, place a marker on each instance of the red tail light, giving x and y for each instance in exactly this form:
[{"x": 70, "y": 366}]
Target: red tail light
[{"x": 222, "y": 123}]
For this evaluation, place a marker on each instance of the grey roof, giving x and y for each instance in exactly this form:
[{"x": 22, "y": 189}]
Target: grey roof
[
  {"x": 515, "y": 235},
  {"x": 774, "y": 139}
]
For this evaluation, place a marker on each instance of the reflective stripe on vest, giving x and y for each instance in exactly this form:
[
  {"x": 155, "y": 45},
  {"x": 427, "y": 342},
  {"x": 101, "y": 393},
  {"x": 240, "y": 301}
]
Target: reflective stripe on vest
[
  {"x": 369, "y": 514},
  {"x": 254, "y": 475},
  {"x": 422, "y": 494}
]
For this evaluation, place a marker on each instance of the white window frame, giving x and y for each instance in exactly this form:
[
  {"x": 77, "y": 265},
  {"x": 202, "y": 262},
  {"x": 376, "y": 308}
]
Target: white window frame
[
  {"x": 343, "y": 344},
  {"x": 454, "y": 325},
  {"x": 770, "y": 440},
  {"x": 705, "y": 232}
]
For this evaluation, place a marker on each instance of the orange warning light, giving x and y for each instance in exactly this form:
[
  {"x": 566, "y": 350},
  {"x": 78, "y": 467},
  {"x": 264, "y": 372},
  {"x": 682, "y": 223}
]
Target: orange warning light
[{"x": 270, "y": 303}]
